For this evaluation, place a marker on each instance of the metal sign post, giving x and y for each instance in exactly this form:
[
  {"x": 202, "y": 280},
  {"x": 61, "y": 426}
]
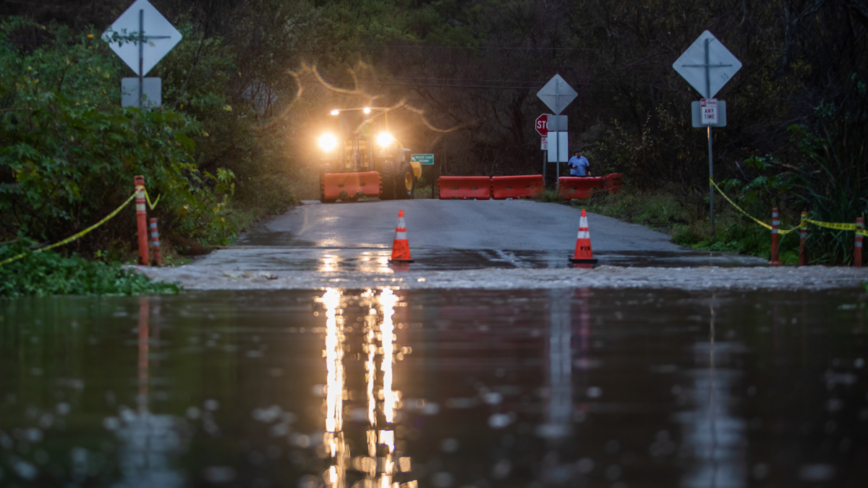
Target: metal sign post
[
  {"x": 541, "y": 126},
  {"x": 142, "y": 54},
  {"x": 701, "y": 54},
  {"x": 557, "y": 94},
  {"x": 557, "y": 148},
  {"x": 142, "y": 38},
  {"x": 702, "y": 118}
]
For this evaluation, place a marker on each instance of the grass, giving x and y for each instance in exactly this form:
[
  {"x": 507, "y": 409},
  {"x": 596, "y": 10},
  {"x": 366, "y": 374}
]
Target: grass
[
  {"x": 424, "y": 192},
  {"x": 548, "y": 196},
  {"x": 686, "y": 219}
]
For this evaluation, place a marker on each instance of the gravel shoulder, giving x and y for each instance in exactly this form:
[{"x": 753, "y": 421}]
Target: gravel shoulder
[{"x": 611, "y": 277}]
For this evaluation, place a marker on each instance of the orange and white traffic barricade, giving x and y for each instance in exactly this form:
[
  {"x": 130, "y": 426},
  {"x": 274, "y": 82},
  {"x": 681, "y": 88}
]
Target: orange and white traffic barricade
[
  {"x": 578, "y": 187},
  {"x": 350, "y": 185},
  {"x": 464, "y": 187},
  {"x": 612, "y": 182},
  {"x": 803, "y": 237},
  {"x": 525, "y": 186},
  {"x": 776, "y": 223},
  {"x": 155, "y": 242},
  {"x": 141, "y": 220}
]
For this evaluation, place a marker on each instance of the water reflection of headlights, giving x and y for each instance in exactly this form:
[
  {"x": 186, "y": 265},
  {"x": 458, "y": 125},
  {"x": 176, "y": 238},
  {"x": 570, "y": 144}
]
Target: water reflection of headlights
[
  {"x": 328, "y": 263},
  {"x": 387, "y": 331},
  {"x": 333, "y": 439},
  {"x": 334, "y": 363},
  {"x": 382, "y": 465}
]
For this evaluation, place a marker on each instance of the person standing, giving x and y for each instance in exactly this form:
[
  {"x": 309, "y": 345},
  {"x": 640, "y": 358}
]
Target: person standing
[{"x": 579, "y": 165}]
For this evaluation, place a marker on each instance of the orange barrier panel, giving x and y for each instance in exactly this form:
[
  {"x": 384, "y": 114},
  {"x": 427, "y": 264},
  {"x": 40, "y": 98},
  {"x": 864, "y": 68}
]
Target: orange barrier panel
[
  {"x": 613, "y": 182},
  {"x": 464, "y": 187},
  {"x": 367, "y": 183},
  {"x": 503, "y": 187},
  {"x": 570, "y": 187}
]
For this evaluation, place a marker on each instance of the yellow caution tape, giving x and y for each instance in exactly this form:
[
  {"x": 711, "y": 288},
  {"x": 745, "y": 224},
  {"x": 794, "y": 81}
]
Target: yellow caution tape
[
  {"x": 834, "y": 225},
  {"x": 148, "y": 198},
  {"x": 828, "y": 225},
  {"x": 74, "y": 237},
  {"x": 760, "y": 222}
]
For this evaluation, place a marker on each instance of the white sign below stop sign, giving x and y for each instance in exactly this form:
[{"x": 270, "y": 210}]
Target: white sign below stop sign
[{"x": 708, "y": 111}]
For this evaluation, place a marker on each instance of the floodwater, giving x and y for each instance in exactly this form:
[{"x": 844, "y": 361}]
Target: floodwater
[
  {"x": 434, "y": 388},
  {"x": 376, "y": 260}
]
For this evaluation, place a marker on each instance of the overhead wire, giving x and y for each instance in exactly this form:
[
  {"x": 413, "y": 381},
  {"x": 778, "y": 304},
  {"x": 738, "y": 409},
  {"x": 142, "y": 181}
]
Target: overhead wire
[{"x": 492, "y": 48}]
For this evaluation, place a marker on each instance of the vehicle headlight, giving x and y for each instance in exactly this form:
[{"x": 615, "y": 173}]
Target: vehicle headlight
[
  {"x": 327, "y": 142},
  {"x": 384, "y": 139}
]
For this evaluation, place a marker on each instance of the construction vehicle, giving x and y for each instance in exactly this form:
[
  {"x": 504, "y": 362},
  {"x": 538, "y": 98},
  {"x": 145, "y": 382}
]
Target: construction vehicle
[{"x": 356, "y": 164}]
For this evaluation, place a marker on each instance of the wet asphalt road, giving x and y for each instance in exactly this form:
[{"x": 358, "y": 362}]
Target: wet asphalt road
[
  {"x": 450, "y": 235},
  {"x": 454, "y": 224}
]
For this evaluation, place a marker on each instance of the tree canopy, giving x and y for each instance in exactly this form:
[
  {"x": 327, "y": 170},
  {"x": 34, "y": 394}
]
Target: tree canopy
[{"x": 259, "y": 76}]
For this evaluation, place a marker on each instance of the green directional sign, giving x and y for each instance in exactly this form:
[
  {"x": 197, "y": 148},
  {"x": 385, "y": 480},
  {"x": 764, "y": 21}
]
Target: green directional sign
[{"x": 424, "y": 159}]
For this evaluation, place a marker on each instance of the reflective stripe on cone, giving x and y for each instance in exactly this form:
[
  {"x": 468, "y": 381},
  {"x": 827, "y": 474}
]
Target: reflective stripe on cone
[
  {"x": 583, "y": 253},
  {"x": 775, "y": 223},
  {"x": 155, "y": 242}
]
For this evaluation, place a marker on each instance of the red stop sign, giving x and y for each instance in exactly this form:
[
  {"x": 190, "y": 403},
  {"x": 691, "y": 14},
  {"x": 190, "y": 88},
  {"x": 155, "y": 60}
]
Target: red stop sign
[{"x": 542, "y": 124}]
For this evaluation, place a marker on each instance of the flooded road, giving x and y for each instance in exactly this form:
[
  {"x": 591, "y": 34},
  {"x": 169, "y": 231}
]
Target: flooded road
[
  {"x": 436, "y": 388},
  {"x": 451, "y": 235},
  {"x": 376, "y": 260}
]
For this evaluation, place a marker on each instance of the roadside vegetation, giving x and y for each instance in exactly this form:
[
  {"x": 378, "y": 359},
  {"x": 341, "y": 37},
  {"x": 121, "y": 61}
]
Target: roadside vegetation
[
  {"x": 680, "y": 216},
  {"x": 248, "y": 90},
  {"x": 825, "y": 174},
  {"x": 49, "y": 273}
]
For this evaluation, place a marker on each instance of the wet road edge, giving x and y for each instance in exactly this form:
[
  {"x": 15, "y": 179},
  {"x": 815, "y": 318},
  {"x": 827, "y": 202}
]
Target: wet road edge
[{"x": 610, "y": 277}]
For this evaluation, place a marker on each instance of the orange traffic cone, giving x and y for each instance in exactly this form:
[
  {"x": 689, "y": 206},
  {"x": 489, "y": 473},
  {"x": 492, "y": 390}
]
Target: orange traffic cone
[
  {"x": 583, "y": 252},
  {"x": 400, "y": 247}
]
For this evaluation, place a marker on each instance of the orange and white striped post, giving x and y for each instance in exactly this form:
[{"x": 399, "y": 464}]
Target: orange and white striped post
[
  {"x": 803, "y": 236},
  {"x": 775, "y": 224},
  {"x": 857, "y": 251},
  {"x": 141, "y": 220},
  {"x": 155, "y": 242}
]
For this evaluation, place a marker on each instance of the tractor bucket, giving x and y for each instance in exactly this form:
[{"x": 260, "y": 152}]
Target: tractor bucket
[{"x": 350, "y": 185}]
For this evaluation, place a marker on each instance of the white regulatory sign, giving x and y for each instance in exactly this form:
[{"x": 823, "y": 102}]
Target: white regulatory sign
[
  {"x": 557, "y": 94},
  {"x": 708, "y": 111},
  {"x": 142, "y": 20},
  {"x": 544, "y": 143},
  {"x": 707, "y": 65}
]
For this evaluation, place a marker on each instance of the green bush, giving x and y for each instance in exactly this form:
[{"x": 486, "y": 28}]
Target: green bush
[
  {"x": 68, "y": 151},
  {"x": 49, "y": 273}
]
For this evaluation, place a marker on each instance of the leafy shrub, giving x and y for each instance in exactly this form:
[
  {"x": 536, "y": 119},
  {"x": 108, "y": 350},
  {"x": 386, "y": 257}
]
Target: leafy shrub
[
  {"x": 68, "y": 151},
  {"x": 49, "y": 273}
]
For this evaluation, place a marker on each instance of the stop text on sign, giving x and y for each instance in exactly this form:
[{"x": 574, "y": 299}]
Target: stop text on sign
[{"x": 541, "y": 125}]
